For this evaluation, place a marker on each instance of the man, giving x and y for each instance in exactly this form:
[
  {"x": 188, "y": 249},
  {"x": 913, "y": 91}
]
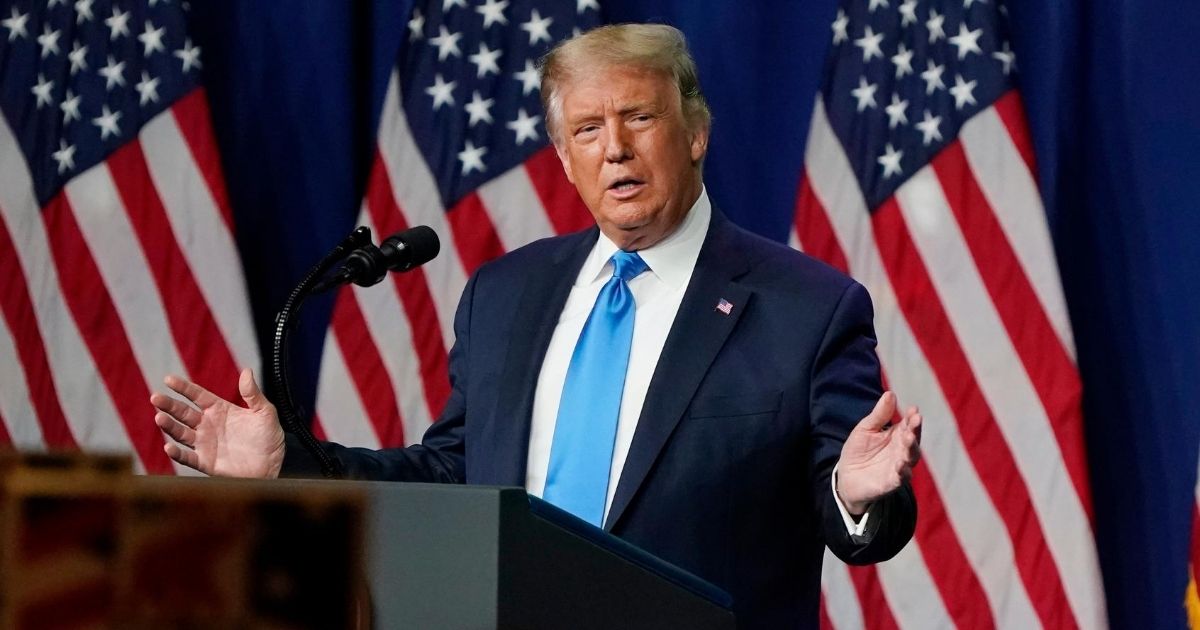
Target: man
[{"x": 683, "y": 383}]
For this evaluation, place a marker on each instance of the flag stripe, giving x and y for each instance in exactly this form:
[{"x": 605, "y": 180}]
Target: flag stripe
[
  {"x": 1008, "y": 107},
  {"x": 192, "y": 326},
  {"x": 474, "y": 235},
  {"x": 103, "y": 332},
  {"x": 910, "y": 590},
  {"x": 1051, "y": 371},
  {"x": 813, "y": 228},
  {"x": 876, "y": 613},
  {"x": 15, "y": 399},
  {"x": 366, "y": 368},
  {"x": 341, "y": 415},
  {"x": 193, "y": 120},
  {"x": 5, "y": 439},
  {"x": 29, "y": 358},
  {"x": 560, "y": 200},
  {"x": 515, "y": 209},
  {"x": 839, "y": 595}
]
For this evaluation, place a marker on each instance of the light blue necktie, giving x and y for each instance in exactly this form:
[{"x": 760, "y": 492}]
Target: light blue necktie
[{"x": 581, "y": 453}]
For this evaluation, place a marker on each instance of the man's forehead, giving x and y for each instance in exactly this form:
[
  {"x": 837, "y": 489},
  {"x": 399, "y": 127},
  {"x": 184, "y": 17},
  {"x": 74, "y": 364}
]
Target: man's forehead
[{"x": 622, "y": 85}]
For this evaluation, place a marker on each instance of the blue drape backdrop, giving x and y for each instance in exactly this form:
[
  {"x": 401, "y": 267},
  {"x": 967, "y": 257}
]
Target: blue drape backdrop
[{"x": 1113, "y": 93}]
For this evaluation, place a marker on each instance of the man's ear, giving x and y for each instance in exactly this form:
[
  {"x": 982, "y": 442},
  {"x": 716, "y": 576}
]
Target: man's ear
[
  {"x": 699, "y": 144},
  {"x": 565, "y": 158}
]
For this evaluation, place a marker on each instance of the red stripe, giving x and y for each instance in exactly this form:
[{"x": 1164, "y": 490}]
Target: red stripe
[
  {"x": 825, "y": 620},
  {"x": 195, "y": 123},
  {"x": 1050, "y": 368},
  {"x": 17, "y": 306},
  {"x": 413, "y": 289},
  {"x": 984, "y": 443},
  {"x": 103, "y": 332},
  {"x": 566, "y": 211},
  {"x": 201, "y": 344},
  {"x": 1012, "y": 113},
  {"x": 877, "y": 614},
  {"x": 367, "y": 370},
  {"x": 474, "y": 235},
  {"x": 1194, "y": 567},
  {"x": 318, "y": 428},
  {"x": 814, "y": 229},
  {"x": 5, "y": 438}
]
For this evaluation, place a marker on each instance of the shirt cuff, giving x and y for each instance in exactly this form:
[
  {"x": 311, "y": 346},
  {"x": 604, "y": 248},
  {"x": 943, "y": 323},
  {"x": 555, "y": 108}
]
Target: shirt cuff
[{"x": 854, "y": 529}]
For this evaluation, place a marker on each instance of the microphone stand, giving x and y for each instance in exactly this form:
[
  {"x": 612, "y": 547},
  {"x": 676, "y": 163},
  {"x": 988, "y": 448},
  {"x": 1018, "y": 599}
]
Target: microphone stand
[{"x": 289, "y": 412}]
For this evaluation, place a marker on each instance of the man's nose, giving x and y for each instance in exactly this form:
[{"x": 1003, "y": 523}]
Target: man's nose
[{"x": 619, "y": 147}]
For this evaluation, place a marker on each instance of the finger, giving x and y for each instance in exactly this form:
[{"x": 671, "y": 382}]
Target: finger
[
  {"x": 884, "y": 409},
  {"x": 185, "y": 456},
  {"x": 178, "y": 409},
  {"x": 177, "y": 431},
  {"x": 201, "y": 397},
  {"x": 250, "y": 391}
]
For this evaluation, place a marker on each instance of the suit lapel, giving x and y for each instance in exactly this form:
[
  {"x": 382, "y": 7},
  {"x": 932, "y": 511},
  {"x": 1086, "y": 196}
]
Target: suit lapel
[
  {"x": 542, "y": 299},
  {"x": 697, "y": 335}
]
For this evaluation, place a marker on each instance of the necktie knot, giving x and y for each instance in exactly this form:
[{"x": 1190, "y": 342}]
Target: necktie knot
[{"x": 628, "y": 265}]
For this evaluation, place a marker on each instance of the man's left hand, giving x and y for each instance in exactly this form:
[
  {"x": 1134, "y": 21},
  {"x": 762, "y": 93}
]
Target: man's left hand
[{"x": 878, "y": 458}]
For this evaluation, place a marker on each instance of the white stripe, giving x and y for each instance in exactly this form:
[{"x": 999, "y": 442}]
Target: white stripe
[
  {"x": 515, "y": 209},
  {"x": 86, "y": 403},
  {"x": 125, "y": 272},
  {"x": 16, "y": 404},
  {"x": 794, "y": 238},
  {"x": 388, "y": 324},
  {"x": 417, "y": 195},
  {"x": 340, "y": 409},
  {"x": 1006, "y": 387},
  {"x": 911, "y": 594},
  {"x": 841, "y": 600},
  {"x": 1012, "y": 192},
  {"x": 202, "y": 234},
  {"x": 981, "y": 531}
]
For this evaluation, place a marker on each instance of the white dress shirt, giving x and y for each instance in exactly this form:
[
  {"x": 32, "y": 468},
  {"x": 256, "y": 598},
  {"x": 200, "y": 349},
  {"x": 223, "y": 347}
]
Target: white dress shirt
[{"x": 658, "y": 293}]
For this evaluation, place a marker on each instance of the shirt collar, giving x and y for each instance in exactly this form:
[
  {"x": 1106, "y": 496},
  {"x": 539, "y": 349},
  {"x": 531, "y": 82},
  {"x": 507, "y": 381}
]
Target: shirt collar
[{"x": 671, "y": 259}]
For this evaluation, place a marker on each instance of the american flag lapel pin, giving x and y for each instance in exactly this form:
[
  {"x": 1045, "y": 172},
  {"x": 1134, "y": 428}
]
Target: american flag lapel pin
[{"x": 725, "y": 306}]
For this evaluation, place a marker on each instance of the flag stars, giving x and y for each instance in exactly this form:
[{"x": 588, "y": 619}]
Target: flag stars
[
  {"x": 1006, "y": 57},
  {"x": 890, "y": 161},
  {"x": 48, "y": 40},
  {"x": 441, "y": 91},
  {"x": 83, "y": 11},
  {"x": 896, "y": 112},
  {"x": 118, "y": 24},
  {"x": 963, "y": 92},
  {"x": 584, "y": 5},
  {"x": 416, "y": 25},
  {"x": 70, "y": 107},
  {"x": 113, "y": 73},
  {"x": 107, "y": 122},
  {"x": 935, "y": 26},
  {"x": 875, "y": 4},
  {"x": 65, "y": 156},
  {"x": 447, "y": 43},
  {"x": 151, "y": 39},
  {"x": 485, "y": 61},
  {"x": 479, "y": 109},
  {"x": 865, "y": 94},
  {"x": 147, "y": 89},
  {"x": 908, "y": 12},
  {"x": 933, "y": 77},
  {"x": 472, "y": 158},
  {"x": 16, "y": 25},
  {"x": 78, "y": 57},
  {"x": 903, "y": 61},
  {"x": 42, "y": 91},
  {"x": 839, "y": 28},
  {"x": 449, "y": 4},
  {"x": 929, "y": 128},
  {"x": 528, "y": 77},
  {"x": 870, "y": 44},
  {"x": 189, "y": 55},
  {"x": 967, "y": 41},
  {"x": 525, "y": 126},
  {"x": 538, "y": 28},
  {"x": 493, "y": 12}
]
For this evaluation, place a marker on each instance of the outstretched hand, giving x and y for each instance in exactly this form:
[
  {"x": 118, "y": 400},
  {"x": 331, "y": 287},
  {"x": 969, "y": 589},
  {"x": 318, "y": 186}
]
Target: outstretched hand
[
  {"x": 878, "y": 458},
  {"x": 217, "y": 437}
]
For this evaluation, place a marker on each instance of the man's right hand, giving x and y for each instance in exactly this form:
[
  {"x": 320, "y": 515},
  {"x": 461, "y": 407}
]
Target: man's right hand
[{"x": 217, "y": 437}]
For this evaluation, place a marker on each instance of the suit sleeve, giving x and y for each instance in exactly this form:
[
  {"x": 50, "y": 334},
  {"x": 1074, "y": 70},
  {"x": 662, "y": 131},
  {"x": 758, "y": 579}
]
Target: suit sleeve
[
  {"x": 846, "y": 384},
  {"x": 439, "y": 458}
]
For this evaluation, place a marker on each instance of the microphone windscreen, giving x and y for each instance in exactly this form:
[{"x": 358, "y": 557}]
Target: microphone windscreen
[{"x": 421, "y": 244}]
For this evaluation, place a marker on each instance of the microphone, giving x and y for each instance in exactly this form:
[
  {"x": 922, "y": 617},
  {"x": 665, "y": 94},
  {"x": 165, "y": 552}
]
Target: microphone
[{"x": 402, "y": 251}]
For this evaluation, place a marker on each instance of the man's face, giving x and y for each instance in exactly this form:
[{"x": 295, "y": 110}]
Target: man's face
[{"x": 625, "y": 145}]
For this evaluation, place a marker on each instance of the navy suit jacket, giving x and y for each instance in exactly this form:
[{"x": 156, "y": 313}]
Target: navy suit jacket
[{"x": 728, "y": 474}]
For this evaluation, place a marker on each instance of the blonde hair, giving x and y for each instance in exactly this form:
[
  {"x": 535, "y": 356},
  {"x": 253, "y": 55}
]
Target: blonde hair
[{"x": 654, "y": 47}]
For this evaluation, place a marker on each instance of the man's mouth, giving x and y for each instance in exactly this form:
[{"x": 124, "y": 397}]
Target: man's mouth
[{"x": 625, "y": 186}]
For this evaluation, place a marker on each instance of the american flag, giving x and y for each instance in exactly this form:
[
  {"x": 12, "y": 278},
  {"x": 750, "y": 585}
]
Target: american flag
[
  {"x": 117, "y": 255},
  {"x": 919, "y": 181},
  {"x": 462, "y": 148}
]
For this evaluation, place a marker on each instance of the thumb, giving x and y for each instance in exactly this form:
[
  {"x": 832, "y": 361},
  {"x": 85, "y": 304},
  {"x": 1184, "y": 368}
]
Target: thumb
[
  {"x": 883, "y": 412},
  {"x": 250, "y": 391}
]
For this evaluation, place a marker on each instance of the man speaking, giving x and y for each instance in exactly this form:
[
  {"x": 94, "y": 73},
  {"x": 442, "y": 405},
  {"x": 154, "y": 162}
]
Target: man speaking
[{"x": 706, "y": 394}]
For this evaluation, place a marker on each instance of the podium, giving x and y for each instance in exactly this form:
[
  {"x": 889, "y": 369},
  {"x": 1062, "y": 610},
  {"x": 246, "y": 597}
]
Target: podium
[{"x": 440, "y": 556}]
